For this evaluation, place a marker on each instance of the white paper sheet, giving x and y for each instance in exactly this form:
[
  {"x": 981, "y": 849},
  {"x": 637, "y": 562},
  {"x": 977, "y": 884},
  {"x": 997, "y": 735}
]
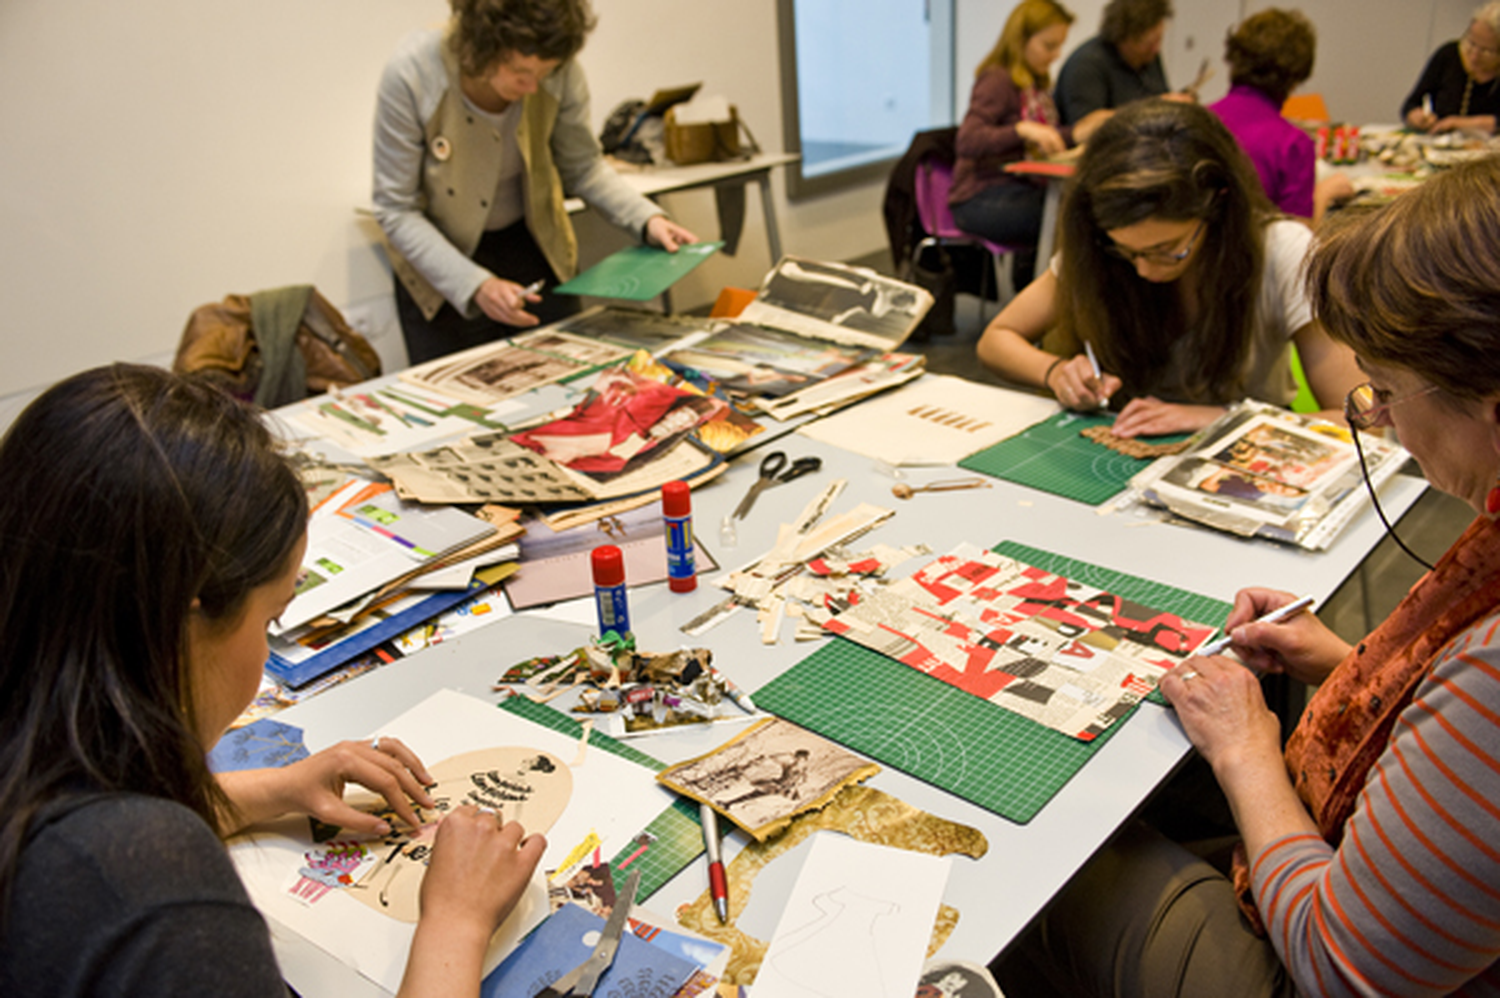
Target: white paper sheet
[
  {"x": 938, "y": 420},
  {"x": 611, "y": 797},
  {"x": 857, "y": 924}
]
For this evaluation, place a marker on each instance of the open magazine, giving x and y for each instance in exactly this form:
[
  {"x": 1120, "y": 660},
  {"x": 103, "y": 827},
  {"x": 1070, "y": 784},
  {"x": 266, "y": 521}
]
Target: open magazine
[
  {"x": 817, "y": 335},
  {"x": 1261, "y": 471}
]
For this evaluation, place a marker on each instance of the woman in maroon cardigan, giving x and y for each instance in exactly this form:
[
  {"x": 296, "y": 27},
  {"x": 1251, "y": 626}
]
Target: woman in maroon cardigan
[{"x": 1011, "y": 116}]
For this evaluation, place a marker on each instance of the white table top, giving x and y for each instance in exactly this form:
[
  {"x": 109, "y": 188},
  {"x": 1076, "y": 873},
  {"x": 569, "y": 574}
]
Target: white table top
[
  {"x": 653, "y": 180},
  {"x": 1026, "y": 864}
]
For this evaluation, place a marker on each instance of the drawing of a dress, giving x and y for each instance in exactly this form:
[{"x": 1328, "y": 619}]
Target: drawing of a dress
[{"x": 836, "y": 954}]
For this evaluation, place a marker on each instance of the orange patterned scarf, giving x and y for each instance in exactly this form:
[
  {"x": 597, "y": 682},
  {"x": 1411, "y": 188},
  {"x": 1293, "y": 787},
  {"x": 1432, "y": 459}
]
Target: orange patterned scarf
[{"x": 1349, "y": 719}]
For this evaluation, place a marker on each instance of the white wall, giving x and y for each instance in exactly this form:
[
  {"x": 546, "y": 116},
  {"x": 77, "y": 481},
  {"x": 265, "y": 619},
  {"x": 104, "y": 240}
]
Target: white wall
[{"x": 162, "y": 153}]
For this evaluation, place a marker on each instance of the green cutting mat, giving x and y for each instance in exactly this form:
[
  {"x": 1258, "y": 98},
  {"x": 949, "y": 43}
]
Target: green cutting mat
[
  {"x": 922, "y": 726},
  {"x": 1052, "y": 457},
  {"x": 676, "y": 836}
]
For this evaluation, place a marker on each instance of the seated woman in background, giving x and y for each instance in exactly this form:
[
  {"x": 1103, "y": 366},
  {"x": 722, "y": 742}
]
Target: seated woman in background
[
  {"x": 152, "y": 533},
  {"x": 1178, "y": 272},
  {"x": 1011, "y": 117},
  {"x": 1460, "y": 86},
  {"x": 1269, "y": 55},
  {"x": 1368, "y": 862}
]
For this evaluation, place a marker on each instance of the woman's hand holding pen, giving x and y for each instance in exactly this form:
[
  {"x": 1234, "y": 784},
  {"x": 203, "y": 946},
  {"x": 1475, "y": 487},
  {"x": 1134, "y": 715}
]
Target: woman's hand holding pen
[
  {"x": 506, "y": 301},
  {"x": 1076, "y": 386},
  {"x": 1300, "y": 645}
]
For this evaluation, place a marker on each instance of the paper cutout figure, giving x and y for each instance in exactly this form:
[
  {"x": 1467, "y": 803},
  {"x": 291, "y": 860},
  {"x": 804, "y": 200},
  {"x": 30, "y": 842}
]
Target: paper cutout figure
[
  {"x": 262, "y": 744},
  {"x": 519, "y": 784},
  {"x": 331, "y": 866},
  {"x": 762, "y": 777}
]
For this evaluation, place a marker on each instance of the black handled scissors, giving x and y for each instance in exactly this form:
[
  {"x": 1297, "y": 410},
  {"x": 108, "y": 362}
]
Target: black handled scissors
[
  {"x": 774, "y": 471},
  {"x": 582, "y": 979}
]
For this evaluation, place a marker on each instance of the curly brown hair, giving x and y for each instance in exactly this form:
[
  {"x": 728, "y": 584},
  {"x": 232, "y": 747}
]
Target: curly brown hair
[
  {"x": 1271, "y": 51},
  {"x": 487, "y": 31},
  {"x": 1412, "y": 284}
]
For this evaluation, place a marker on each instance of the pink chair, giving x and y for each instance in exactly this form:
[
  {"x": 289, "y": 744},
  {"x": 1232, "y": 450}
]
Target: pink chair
[{"x": 934, "y": 178}]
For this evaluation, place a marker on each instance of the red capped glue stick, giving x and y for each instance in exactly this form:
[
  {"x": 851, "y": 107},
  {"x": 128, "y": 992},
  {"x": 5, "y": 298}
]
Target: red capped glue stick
[
  {"x": 677, "y": 510},
  {"x": 609, "y": 590}
]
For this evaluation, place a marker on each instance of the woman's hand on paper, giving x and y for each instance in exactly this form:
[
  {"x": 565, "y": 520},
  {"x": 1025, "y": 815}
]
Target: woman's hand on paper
[
  {"x": 478, "y": 871},
  {"x": 1301, "y": 646},
  {"x": 662, "y": 231},
  {"x": 1223, "y": 710},
  {"x": 506, "y": 301},
  {"x": 315, "y": 786},
  {"x": 479, "y": 867},
  {"x": 1149, "y": 416}
]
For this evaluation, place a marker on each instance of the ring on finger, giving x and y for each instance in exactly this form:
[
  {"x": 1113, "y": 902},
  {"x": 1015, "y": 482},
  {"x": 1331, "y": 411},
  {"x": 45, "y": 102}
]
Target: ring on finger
[
  {"x": 1189, "y": 675},
  {"x": 375, "y": 743}
]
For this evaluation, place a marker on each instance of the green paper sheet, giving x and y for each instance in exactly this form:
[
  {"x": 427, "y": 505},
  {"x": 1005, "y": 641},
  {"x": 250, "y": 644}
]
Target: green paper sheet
[{"x": 638, "y": 273}]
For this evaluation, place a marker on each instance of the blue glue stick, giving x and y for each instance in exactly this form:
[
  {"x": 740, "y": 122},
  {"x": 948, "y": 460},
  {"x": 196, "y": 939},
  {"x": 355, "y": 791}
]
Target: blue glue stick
[
  {"x": 609, "y": 590},
  {"x": 677, "y": 510}
]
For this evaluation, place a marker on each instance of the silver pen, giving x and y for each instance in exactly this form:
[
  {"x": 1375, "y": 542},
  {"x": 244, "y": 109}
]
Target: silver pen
[{"x": 534, "y": 287}]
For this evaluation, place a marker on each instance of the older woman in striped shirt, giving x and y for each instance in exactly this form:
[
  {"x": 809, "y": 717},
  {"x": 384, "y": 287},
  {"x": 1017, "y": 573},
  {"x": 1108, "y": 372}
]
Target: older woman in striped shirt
[{"x": 1370, "y": 852}]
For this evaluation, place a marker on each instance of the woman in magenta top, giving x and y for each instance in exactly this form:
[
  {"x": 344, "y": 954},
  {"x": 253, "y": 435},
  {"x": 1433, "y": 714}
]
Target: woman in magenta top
[
  {"x": 1011, "y": 116},
  {"x": 1269, "y": 54}
]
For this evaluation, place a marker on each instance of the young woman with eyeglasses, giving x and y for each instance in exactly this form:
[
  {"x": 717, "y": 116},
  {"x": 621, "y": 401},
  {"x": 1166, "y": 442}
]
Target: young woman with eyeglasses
[{"x": 1179, "y": 275}]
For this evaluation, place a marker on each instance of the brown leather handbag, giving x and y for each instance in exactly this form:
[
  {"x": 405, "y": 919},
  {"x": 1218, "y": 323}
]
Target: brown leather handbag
[{"x": 244, "y": 344}]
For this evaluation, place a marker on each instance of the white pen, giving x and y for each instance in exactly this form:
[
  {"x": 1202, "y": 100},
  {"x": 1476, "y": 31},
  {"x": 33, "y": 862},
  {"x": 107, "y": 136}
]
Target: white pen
[
  {"x": 1280, "y": 613},
  {"x": 534, "y": 287},
  {"x": 1088, "y": 349}
]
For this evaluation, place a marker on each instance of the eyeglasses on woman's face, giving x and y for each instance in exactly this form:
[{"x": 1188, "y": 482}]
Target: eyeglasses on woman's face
[
  {"x": 1366, "y": 407},
  {"x": 1158, "y": 256},
  {"x": 1477, "y": 46}
]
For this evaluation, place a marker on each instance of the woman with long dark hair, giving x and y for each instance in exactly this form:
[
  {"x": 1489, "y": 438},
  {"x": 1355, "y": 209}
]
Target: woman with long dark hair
[
  {"x": 151, "y": 533},
  {"x": 1179, "y": 274}
]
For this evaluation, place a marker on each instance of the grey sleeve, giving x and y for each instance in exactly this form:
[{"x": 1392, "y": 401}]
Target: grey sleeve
[
  {"x": 409, "y": 91},
  {"x": 134, "y": 896}
]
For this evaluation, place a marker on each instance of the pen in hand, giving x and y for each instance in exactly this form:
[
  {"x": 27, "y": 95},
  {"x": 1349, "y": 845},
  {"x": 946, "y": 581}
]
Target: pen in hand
[
  {"x": 534, "y": 287},
  {"x": 1098, "y": 383},
  {"x": 1217, "y": 647},
  {"x": 718, "y": 884}
]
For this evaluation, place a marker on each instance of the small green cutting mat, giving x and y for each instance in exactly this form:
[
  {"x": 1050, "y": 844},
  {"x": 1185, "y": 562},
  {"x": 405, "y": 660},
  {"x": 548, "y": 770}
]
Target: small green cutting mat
[
  {"x": 638, "y": 273},
  {"x": 671, "y": 841},
  {"x": 1051, "y": 456},
  {"x": 910, "y": 721}
]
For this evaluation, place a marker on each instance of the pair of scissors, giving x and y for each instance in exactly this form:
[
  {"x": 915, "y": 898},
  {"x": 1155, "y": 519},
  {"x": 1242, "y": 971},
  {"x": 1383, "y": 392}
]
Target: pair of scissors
[
  {"x": 582, "y": 979},
  {"x": 774, "y": 471}
]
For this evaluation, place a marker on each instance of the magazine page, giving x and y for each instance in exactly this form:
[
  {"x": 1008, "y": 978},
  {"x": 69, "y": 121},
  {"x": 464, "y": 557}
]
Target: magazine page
[
  {"x": 834, "y": 301},
  {"x": 1263, "y": 471}
]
